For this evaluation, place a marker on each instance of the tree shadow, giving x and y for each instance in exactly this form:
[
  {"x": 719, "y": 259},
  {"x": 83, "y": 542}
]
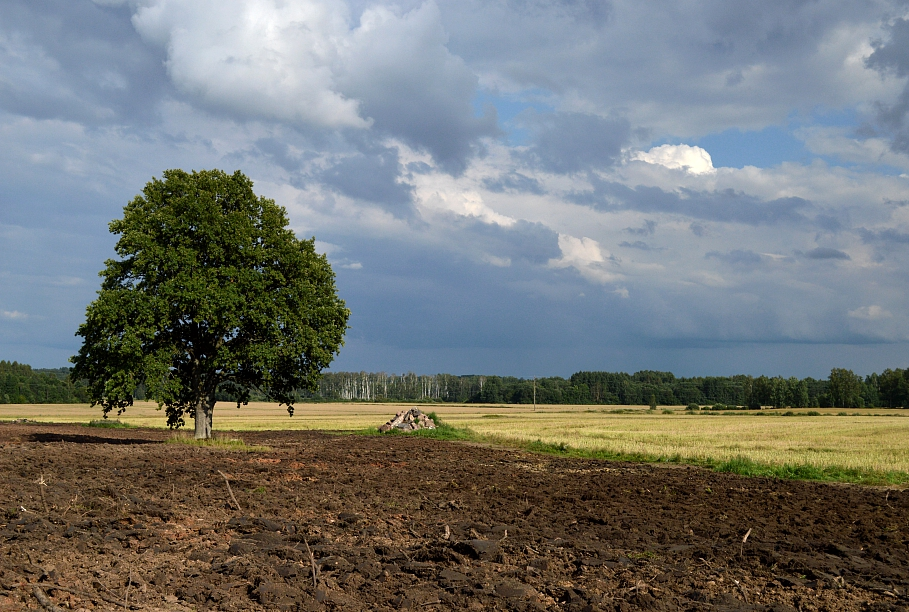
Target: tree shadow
[{"x": 87, "y": 439}]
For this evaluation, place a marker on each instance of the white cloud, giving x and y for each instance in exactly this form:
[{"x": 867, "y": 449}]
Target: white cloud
[
  {"x": 260, "y": 58},
  {"x": 694, "y": 160},
  {"x": 14, "y": 315},
  {"x": 587, "y": 257},
  {"x": 870, "y": 313},
  {"x": 303, "y": 63},
  {"x": 467, "y": 204},
  {"x": 579, "y": 251}
]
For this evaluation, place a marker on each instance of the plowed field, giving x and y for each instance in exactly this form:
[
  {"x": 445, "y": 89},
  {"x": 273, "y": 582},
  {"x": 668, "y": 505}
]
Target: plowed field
[{"x": 328, "y": 522}]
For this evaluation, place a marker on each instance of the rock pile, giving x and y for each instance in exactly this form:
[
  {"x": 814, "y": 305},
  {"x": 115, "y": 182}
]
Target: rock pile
[{"x": 408, "y": 420}]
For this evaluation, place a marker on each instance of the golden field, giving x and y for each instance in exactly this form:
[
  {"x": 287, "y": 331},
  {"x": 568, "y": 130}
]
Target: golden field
[{"x": 866, "y": 439}]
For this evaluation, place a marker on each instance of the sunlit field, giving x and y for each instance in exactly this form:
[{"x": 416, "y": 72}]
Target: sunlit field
[{"x": 866, "y": 439}]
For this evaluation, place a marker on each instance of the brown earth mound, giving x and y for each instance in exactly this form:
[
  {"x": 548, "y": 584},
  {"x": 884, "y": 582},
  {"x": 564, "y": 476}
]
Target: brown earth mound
[{"x": 368, "y": 523}]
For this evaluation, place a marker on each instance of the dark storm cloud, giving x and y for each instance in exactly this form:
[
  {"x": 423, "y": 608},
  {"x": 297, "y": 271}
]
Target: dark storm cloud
[
  {"x": 514, "y": 181},
  {"x": 416, "y": 295},
  {"x": 892, "y": 57},
  {"x": 279, "y": 151},
  {"x": 825, "y": 253},
  {"x": 886, "y": 236},
  {"x": 524, "y": 240},
  {"x": 372, "y": 176},
  {"x": 76, "y": 61},
  {"x": 596, "y": 12},
  {"x": 573, "y": 142},
  {"x": 412, "y": 88},
  {"x": 726, "y": 205}
]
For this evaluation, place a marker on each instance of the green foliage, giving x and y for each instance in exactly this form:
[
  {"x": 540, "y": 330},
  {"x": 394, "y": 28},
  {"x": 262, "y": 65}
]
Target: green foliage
[
  {"x": 109, "y": 424},
  {"x": 20, "y": 384},
  {"x": 692, "y": 407},
  {"x": 444, "y": 431},
  {"x": 211, "y": 290},
  {"x": 845, "y": 389},
  {"x": 611, "y": 388}
]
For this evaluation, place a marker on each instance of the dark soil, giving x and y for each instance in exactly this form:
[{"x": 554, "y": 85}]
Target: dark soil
[{"x": 399, "y": 522}]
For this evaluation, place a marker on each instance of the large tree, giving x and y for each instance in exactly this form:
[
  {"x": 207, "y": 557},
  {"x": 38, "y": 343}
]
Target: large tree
[{"x": 211, "y": 289}]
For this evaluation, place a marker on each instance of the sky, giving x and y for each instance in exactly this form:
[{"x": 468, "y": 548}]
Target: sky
[{"x": 513, "y": 187}]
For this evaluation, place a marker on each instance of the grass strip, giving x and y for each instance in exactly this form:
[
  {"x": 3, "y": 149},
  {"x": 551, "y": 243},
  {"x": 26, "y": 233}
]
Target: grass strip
[
  {"x": 223, "y": 442},
  {"x": 110, "y": 424},
  {"x": 740, "y": 465}
]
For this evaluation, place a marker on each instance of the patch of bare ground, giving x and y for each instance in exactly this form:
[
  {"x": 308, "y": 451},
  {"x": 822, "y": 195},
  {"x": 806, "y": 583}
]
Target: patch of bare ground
[{"x": 117, "y": 520}]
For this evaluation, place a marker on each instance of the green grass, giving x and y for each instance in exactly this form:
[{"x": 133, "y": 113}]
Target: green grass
[
  {"x": 746, "y": 467},
  {"x": 222, "y": 442},
  {"x": 742, "y": 466},
  {"x": 443, "y": 431},
  {"x": 110, "y": 424}
]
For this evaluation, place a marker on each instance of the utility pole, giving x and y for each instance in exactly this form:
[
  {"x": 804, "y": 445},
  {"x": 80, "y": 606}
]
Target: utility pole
[{"x": 534, "y": 393}]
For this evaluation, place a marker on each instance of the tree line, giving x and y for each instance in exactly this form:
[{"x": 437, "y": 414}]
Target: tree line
[
  {"x": 21, "y": 384},
  {"x": 843, "y": 388}
]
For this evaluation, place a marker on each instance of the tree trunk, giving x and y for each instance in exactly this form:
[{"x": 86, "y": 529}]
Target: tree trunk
[{"x": 203, "y": 418}]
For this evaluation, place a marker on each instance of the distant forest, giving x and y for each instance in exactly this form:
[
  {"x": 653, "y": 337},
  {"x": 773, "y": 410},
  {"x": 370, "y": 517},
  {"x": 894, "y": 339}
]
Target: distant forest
[
  {"x": 22, "y": 384},
  {"x": 843, "y": 388},
  {"x": 19, "y": 383}
]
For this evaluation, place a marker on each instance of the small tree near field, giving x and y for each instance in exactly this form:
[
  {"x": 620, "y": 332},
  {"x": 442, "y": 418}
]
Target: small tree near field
[{"x": 211, "y": 288}]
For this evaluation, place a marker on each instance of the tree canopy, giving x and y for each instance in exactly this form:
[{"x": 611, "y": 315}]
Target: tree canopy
[{"x": 211, "y": 290}]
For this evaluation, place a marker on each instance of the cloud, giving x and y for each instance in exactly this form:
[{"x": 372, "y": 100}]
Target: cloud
[
  {"x": 301, "y": 63},
  {"x": 13, "y": 315},
  {"x": 257, "y": 59},
  {"x": 640, "y": 245},
  {"x": 76, "y": 61},
  {"x": 647, "y": 229},
  {"x": 892, "y": 58},
  {"x": 890, "y": 235},
  {"x": 501, "y": 245},
  {"x": 697, "y": 229},
  {"x": 572, "y": 142},
  {"x": 870, "y": 313},
  {"x": 587, "y": 257},
  {"x": 736, "y": 257},
  {"x": 678, "y": 157},
  {"x": 514, "y": 181},
  {"x": 694, "y": 68},
  {"x": 379, "y": 126},
  {"x": 372, "y": 176},
  {"x": 413, "y": 87},
  {"x": 826, "y": 253},
  {"x": 725, "y": 205}
]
